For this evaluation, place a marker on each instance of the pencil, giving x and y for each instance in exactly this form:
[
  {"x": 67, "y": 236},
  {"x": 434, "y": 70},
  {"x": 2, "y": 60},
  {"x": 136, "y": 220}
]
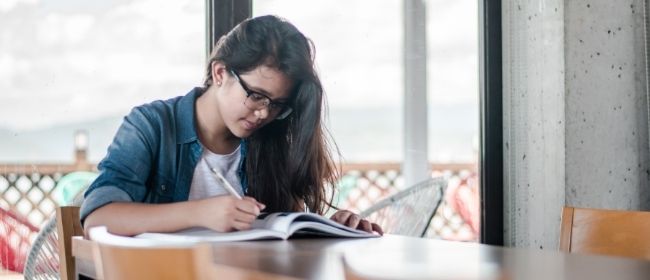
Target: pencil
[{"x": 224, "y": 182}]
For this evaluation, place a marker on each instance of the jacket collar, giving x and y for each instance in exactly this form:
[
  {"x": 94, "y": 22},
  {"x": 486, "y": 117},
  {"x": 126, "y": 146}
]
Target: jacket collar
[{"x": 185, "y": 121}]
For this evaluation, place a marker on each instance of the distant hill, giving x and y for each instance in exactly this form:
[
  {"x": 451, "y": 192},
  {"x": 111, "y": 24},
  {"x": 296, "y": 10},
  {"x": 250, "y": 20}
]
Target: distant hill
[
  {"x": 369, "y": 134},
  {"x": 56, "y": 143}
]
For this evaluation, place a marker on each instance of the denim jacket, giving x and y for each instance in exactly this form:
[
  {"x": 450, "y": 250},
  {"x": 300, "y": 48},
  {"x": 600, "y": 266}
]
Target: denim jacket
[{"x": 152, "y": 157}]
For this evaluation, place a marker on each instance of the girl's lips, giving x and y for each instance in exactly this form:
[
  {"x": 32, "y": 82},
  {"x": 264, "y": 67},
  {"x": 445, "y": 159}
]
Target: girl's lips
[{"x": 249, "y": 125}]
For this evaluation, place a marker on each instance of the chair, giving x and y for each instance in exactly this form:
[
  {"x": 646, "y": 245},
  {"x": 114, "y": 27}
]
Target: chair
[
  {"x": 68, "y": 225},
  {"x": 135, "y": 261},
  {"x": 70, "y": 188},
  {"x": 121, "y": 262},
  {"x": 606, "y": 232},
  {"x": 50, "y": 256},
  {"x": 15, "y": 235},
  {"x": 43, "y": 259},
  {"x": 408, "y": 212}
]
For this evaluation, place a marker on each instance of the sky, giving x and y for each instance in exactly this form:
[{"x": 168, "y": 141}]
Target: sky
[
  {"x": 66, "y": 61},
  {"x": 70, "y": 61}
]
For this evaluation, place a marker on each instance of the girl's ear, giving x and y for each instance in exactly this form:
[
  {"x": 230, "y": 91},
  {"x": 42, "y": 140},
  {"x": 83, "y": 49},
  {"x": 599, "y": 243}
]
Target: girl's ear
[{"x": 218, "y": 73}]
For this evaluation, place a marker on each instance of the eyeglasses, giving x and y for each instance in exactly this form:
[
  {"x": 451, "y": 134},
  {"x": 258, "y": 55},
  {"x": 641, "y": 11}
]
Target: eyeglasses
[{"x": 257, "y": 101}]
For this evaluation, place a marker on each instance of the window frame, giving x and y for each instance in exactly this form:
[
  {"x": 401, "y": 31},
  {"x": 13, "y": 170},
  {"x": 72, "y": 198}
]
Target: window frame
[
  {"x": 221, "y": 16},
  {"x": 491, "y": 122}
]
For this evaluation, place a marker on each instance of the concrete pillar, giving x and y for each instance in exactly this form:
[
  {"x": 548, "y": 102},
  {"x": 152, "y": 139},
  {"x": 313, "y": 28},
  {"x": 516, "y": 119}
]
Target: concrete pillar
[
  {"x": 533, "y": 108},
  {"x": 606, "y": 106},
  {"x": 416, "y": 164}
]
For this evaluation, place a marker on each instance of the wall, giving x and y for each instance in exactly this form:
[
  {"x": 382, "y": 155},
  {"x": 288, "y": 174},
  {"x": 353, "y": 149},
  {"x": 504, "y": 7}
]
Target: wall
[
  {"x": 575, "y": 113},
  {"x": 533, "y": 121},
  {"x": 606, "y": 106}
]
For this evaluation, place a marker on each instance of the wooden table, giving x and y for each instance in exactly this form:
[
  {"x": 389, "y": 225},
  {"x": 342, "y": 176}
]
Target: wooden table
[{"x": 397, "y": 257}]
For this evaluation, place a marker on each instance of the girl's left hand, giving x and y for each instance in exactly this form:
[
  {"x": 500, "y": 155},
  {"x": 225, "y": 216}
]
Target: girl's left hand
[{"x": 352, "y": 220}]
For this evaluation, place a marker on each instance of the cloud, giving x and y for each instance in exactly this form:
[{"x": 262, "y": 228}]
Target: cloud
[
  {"x": 64, "y": 29},
  {"x": 8, "y": 5},
  {"x": 7, "y": 66},
  {"x": 61, "y": 63},
  {"x": 125, "y": 53},
  {"x": 359, "y": 49}
]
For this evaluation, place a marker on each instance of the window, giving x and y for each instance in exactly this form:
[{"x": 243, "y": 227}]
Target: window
[
  {"x": 359, "y": 55},
  {"x": 68, "y": 66}
]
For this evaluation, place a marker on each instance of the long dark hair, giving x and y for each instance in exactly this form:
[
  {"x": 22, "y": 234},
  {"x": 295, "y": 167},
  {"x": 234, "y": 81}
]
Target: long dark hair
[{"x": 289, "y": 160}]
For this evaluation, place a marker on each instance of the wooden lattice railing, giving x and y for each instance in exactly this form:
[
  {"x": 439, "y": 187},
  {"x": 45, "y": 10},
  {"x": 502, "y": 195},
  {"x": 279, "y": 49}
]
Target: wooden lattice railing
[{"x": 29, "y": 189}]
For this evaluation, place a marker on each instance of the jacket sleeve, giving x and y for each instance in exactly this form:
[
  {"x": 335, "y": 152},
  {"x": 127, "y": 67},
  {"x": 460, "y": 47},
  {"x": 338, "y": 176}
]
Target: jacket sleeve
[{"x": 127, "y": 165}]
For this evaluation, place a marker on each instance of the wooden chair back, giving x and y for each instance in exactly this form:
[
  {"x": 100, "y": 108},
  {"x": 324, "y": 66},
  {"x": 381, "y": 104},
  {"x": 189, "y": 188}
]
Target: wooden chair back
[
  {"x": 152, "y": 263},
  {"x": 68, "y": 225},
  {"x": 606, "y": 232},
  {"x": 120, "y": 262}
]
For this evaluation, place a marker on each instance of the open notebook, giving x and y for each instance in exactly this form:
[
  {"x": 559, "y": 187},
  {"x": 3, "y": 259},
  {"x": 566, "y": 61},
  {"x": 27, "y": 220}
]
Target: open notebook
[{"x": 267, "y": 226}]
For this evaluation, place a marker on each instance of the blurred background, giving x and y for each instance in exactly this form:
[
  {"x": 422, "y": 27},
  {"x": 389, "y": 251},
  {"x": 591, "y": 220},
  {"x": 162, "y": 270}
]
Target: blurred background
[{"x": 71, "y": 69}]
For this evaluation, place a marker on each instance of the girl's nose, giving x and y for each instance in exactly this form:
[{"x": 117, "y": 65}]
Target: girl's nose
[{"x": 262, "y": 113}]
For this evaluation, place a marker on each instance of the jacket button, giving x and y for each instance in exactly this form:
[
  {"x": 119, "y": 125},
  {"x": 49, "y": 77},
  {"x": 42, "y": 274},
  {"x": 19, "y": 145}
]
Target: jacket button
[{"x": 163, "y": 187}]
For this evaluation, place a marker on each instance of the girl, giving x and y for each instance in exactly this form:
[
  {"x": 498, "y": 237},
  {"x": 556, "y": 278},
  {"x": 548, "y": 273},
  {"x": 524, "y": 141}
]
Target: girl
[{"x": 257, "y": 121}]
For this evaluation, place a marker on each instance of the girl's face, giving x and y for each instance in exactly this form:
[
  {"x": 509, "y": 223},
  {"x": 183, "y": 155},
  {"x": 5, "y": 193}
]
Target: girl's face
[{"x": 243, "y": 98}]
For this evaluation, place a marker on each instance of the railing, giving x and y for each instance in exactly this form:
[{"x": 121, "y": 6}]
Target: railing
[{"x": 29, "y": 189}]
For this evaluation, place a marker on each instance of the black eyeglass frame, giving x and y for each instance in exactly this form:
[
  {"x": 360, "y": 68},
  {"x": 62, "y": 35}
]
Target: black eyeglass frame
[{"x": 285, "y": 109}]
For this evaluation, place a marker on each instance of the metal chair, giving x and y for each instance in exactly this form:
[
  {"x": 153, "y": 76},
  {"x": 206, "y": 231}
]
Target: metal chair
[
  {"x": 43, "y": 259},
  {"x": 70, "y": 188},
  {"x": 408, "y": 212},
  {"x": 15, "y": 235},
  {"x": 49, "y": 258}
]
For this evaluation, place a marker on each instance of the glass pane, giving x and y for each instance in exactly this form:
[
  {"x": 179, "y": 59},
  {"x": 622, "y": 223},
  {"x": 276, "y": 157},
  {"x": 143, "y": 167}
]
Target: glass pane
[
  {"x": 350, "y": 72},
  {"x": 452, "y": 36},
  {"x": 71, "y": 65},
  {"x": 359, "y": 54}
]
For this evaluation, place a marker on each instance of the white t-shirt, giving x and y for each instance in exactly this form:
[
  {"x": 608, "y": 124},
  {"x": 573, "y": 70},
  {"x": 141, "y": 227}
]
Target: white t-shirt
[{"x": 204, "y": 182}]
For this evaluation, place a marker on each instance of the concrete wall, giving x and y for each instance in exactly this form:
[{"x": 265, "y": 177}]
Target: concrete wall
[
  {"x": 575, "y": 113},
  {"x": 606, "y": 106},
  {"x": 533, "y": 121}
]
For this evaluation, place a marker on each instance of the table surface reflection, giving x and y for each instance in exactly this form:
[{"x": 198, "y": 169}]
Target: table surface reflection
[{"x": 399, "y": 257}]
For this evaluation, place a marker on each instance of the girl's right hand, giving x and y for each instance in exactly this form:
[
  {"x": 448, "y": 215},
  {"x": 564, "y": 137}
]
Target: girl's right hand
[{"x": 227, "y": 213}]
